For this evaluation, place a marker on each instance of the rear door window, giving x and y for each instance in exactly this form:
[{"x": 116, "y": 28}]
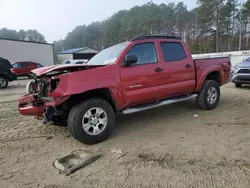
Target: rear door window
[
  {"x": 173, "y": 51},
  {"x": 26, "y": 64}
]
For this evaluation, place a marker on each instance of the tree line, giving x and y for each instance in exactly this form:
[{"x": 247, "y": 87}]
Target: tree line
[
  {"x": 29, "y": 35},
  {"x": 213, "y": 26}
]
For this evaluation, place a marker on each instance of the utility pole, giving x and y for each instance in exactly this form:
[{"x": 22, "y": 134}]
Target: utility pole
[{"x": 240, "y": 27}]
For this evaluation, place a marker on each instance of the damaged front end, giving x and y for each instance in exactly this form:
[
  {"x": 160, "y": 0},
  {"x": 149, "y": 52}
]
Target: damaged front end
[
  {"x": 39, "y": 100},
  {"x": 46, "y": 93}
]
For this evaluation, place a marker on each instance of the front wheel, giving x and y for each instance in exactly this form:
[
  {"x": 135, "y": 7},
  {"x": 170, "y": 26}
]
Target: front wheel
[
  {"x": 209, "y": 96},
  {"x": 4, "y": 82},
  {"x": 92, "y": 121}
]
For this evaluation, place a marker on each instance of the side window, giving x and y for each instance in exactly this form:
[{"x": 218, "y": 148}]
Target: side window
[
  {"x": 67, "y": 62},
  {"x": 145, "y": 53},
  {"x": 25, "y": 64},
  {"x": 16, "y": 65},
  {"x": 173, "y": 51}
]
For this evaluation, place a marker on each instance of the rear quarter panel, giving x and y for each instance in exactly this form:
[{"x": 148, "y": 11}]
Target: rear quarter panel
[{"x": 208, "y": 65}]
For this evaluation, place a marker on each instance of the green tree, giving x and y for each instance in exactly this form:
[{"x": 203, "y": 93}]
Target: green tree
[
  {"x": 35, "y": 36},
  {"x": 22, "y": 34},
  {"x": 9, "y": 34},
  {"x": 213, "y": 25}
]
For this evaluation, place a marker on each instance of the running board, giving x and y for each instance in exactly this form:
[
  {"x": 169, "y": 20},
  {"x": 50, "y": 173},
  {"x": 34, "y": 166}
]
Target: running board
[{"x": 158, "y": 104}]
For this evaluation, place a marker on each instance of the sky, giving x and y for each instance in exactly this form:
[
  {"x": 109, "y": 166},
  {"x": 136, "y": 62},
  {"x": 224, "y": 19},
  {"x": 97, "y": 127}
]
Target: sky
[{"x": 55, "y": 18}]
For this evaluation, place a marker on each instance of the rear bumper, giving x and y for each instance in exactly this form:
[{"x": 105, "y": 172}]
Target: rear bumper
[{"x": 12, "y": 77}]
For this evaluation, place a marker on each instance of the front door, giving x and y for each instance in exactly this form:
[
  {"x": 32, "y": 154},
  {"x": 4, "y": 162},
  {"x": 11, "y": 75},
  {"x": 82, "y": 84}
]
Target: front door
[{"x": 142, "y": 82}]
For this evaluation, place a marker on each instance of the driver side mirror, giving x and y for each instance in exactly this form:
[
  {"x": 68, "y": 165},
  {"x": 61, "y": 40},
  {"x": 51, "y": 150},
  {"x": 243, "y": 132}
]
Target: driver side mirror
[{"x": 130, "y": 59}]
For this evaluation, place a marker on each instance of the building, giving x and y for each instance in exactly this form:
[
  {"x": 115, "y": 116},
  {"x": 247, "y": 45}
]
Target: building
[
  {"x": 16, "y": 50},
  {"x": 76, "y": 53}
]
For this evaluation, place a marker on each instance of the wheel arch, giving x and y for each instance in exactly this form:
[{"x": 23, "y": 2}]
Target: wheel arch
[
  {"x": 103, "y": 93},
  {"x": 5, "y": 75},
  {"x": 213, "y": 74}
]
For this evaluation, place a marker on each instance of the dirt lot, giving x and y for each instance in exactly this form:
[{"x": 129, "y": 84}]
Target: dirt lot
[{"x": 164, "y": 147}]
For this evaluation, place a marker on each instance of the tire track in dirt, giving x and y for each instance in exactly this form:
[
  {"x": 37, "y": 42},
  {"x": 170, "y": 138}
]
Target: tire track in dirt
[
  {"x": 30, "y": 130},
  {"x": 224, "y": 174}
]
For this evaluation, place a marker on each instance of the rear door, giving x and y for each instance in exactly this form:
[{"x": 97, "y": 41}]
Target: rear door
[
  {"x": 26, "y": 67},
  {"x": 142, "y": 82},
  {"x": 179, "y": 69},
  {"x": 32, "y": 66}
]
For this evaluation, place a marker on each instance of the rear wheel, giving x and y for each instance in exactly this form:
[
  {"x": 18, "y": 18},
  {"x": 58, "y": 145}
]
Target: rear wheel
[
  {"x": 237, "y": 85},
  {"x": 92, "y": 121},
  {"x": 209, "y": 96},
  {"x": 4, "y": 82}
]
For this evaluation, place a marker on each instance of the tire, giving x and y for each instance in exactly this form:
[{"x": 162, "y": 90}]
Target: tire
[
  {"x": 4, "y": 82},
  {"x": 203, "y": 100},
  {"x": 29, "y": 87},
  {"x": 60, "y": 122},
  {"x": 237, "y": 85},
  {"x": 77, "y": 118}
]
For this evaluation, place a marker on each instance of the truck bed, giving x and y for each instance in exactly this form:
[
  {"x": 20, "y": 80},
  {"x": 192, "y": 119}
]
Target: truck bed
[{"x": 220, "y": 64}]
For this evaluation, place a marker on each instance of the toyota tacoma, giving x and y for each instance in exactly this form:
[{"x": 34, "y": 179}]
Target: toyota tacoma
[{"x": 144, "y": 73}]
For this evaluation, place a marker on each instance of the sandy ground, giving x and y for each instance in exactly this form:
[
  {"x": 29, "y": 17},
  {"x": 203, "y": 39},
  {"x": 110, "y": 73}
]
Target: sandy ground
[{"x": 164, "y": 147}]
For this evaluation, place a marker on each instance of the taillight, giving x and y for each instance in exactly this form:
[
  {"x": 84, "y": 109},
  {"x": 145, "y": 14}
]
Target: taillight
[
  {"x": 53, "y": 84},
  {"x": 12, "y": 70}
]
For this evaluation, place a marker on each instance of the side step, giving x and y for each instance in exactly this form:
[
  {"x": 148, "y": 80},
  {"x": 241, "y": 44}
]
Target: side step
[{"x": 158, "y": 104}]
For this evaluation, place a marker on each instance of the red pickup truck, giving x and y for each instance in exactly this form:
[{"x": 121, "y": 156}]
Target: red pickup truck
[{"x": 144, "y": 73}]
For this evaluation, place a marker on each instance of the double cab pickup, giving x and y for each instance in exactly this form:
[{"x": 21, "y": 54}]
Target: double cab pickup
[{"x": 144, "y": 73}]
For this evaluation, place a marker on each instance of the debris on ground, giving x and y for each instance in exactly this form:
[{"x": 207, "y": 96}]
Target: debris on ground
[
  {"x": 119, "y": 152},
  {"x": 75, "y": 161}
]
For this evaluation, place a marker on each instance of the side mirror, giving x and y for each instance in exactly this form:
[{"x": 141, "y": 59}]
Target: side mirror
[{"x": 130, "y": 59}]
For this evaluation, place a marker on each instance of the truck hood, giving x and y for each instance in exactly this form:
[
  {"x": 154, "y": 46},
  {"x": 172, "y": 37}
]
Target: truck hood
[{"x": 57, "y": 69}]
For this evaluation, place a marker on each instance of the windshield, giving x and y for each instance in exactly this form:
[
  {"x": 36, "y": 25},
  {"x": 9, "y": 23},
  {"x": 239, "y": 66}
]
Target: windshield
[{"x": 108, "y": 55}]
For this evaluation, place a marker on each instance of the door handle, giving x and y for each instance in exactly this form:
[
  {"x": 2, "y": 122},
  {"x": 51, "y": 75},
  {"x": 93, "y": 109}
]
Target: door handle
[
  {"x": 188, "y": 66},
  {"x": 158, "y": 70}
]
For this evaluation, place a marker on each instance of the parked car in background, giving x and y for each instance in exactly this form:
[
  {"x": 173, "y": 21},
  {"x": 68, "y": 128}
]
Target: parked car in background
[
  {"x": 144, "y": 73},
  {"x": 6, "y": 75},
  {"x": 75, "y": 61},
  {"x": 23, "y": 68},
  {"x": 241, "y": 73}
]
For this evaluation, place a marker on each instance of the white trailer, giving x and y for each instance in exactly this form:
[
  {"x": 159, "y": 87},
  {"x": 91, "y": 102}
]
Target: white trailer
[{"x": 16, "y": 50}]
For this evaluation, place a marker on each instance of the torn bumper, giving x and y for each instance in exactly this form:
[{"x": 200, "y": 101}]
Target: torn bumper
[
  {"x": 29, "y": 106},
  {"x": 45, "y": 108}
]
